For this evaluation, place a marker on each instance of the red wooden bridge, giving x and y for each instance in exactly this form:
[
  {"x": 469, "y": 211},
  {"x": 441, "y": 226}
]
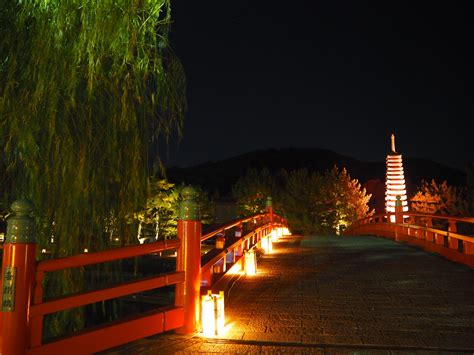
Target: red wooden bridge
[{"x": 308, "y": 293}]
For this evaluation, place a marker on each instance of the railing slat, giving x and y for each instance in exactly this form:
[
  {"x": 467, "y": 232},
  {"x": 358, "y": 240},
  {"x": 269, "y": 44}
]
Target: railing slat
[
  {"x": 106, "y": 294},
  {"x": 230, "y": 225},
  {"x": 107, "y": 255}
]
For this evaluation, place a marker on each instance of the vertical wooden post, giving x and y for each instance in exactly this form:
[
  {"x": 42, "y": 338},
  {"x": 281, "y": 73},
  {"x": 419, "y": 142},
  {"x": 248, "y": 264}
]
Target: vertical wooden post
[
  {"x": 269, "y": 208},
  {"x": 189, "y": 260},
  {"x": 18, "y": 275},
  {"x": 452, "y": 228},
  {"x": 398, "y": 217},
  {"x": 429, "y": 235}
]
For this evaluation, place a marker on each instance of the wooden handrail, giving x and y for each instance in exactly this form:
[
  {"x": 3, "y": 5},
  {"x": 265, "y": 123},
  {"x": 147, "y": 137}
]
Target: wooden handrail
[
  {"x": 422, "y": 215},
  {"x": 438, "y": 231},
  {"x": 231, "y": 225},
  {"x": 85, "y": 298},
  {"x": 107, "y": 255}
]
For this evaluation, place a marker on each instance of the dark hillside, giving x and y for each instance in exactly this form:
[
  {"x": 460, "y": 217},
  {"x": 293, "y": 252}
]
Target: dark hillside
[{"x": 221, "y": 175}]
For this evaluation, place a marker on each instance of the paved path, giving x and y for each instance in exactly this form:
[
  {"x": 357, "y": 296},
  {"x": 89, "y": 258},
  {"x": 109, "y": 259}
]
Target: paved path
[{"x": 340, "y": 295}]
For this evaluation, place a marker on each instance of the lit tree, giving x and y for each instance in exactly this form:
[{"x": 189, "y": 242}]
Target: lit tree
[
  {"x": 160, "y": 211},
  {"x": 85, "y": 88},
  {"x": 303, "y": 201},
  {"x": 159, "y": 217},
  {"x": 324, "y": 203},
  {"x": 252, "y": 190},
  {"x": 434, "y": 198}
]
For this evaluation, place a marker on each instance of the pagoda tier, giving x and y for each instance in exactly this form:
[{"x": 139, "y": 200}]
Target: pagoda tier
[{"x": 395, "y": 182}]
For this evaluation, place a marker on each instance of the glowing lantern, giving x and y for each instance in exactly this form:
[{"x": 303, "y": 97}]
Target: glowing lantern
[
  {"x": 274, "y": 235},
  {"x": 267, "y": 244},
  {"x": 212, "y": 314},
  {"x": 250, "y": 262},
  {"x": 286, "y": 231},
  {"x": 395, "y": 182},
  {"x": 220, "y": 241}
]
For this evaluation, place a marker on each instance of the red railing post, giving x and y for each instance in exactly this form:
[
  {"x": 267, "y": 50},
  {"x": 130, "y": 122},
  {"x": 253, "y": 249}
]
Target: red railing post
[
  {"x": 398, "y": 217},
  {"x": 269, "y": 208},
  {"x": 429, "y": 235},
  {"x": 452, "y": 228},
  {"x": 188, "y": 259},
  {"x": 18, "y": 275}
]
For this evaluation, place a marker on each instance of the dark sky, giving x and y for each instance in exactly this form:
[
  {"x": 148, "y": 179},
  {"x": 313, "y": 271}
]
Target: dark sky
[{"x": 340, "y": 75}]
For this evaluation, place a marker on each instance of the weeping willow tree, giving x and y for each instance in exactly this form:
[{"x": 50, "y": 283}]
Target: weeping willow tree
[{"x": 86, "y": 87}]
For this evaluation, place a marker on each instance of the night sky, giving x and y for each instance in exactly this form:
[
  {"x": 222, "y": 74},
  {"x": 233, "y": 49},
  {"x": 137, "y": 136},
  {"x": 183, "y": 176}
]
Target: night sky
[{"x": 339, "y": 75}]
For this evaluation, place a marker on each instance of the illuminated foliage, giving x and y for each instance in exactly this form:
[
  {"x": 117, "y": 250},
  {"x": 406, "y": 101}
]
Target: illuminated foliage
[
  {"x": 159, "y": 218},
  {"x": 304, "y": 206},
  {"x": 434, "y": 198},
  {"x": 346, "y": 200},
  {"x": 86, "y": 87},
  {"x": 252, "y": 190},
  {"x": 312, "y": 202},
  {"x": 325, "y": 203}
]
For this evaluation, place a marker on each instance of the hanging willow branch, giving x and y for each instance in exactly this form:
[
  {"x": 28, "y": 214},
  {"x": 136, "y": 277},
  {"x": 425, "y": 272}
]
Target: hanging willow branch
[{"x": 85, "y": 87}]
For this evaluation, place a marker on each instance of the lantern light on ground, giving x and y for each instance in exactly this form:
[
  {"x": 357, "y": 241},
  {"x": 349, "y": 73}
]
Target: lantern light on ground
[
  {"x": 212, "y": 314},
  {"x": 250, "y": 262}
]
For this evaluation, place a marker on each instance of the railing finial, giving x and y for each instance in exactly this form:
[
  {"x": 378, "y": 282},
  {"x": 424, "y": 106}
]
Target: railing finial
[
  {"x": 269, "y": 202},
  {"x": 189, "y": 206}
]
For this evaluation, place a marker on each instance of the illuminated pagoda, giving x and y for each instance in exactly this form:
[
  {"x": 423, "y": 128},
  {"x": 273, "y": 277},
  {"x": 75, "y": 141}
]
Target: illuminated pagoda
[{"x": 395, "y": 181}]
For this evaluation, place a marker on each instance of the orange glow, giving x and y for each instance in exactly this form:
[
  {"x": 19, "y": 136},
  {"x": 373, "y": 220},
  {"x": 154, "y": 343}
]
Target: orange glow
[
  {"x": 274, "y": 235},
  {"x": 212, "y": 314},
  {"x": 250, "y": 263},
  {"x": 267, "y": 244}
]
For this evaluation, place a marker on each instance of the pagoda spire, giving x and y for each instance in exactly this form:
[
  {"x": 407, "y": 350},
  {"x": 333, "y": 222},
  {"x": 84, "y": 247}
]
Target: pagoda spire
[{"x": 392, "y": 139}]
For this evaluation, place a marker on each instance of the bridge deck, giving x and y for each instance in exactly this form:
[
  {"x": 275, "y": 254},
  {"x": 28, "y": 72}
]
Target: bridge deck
[{"x": 333, "y": 294}]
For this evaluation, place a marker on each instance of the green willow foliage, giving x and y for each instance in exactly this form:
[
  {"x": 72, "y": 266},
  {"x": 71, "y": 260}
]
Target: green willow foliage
[{"x": 85, "y": 88}]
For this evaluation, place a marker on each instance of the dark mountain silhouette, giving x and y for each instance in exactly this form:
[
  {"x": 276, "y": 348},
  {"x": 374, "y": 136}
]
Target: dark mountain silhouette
[{"x": 219, "y": 177}]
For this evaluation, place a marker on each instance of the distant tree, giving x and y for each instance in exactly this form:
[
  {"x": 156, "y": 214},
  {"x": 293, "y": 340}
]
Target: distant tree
[
  {"x": 252, "y": 190},
  {"x": 158, "y": 220},
  {"x": 346, "y": 200},
  {"x": 325, "y": 203},
  {"x": 159, "y": 217},
  {"x": 312, "y": 202},
  {"x": 303, "y": 203},
  {"x": 434, "y": 198}
]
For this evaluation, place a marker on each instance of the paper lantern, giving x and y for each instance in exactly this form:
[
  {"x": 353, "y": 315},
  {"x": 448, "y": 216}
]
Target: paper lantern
[
  {"x": 250, "y": 262},
  {"x": 212, "y": 314}
]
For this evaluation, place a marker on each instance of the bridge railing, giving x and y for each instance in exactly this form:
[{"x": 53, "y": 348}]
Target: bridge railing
[
  {"x": 448, "y": 236},
  {"x": 21, "y": 326}
]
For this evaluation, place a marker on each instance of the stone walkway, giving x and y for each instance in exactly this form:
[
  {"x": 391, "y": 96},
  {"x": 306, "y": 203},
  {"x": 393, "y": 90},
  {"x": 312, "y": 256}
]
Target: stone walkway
[{"x": 340, "y": 295}]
